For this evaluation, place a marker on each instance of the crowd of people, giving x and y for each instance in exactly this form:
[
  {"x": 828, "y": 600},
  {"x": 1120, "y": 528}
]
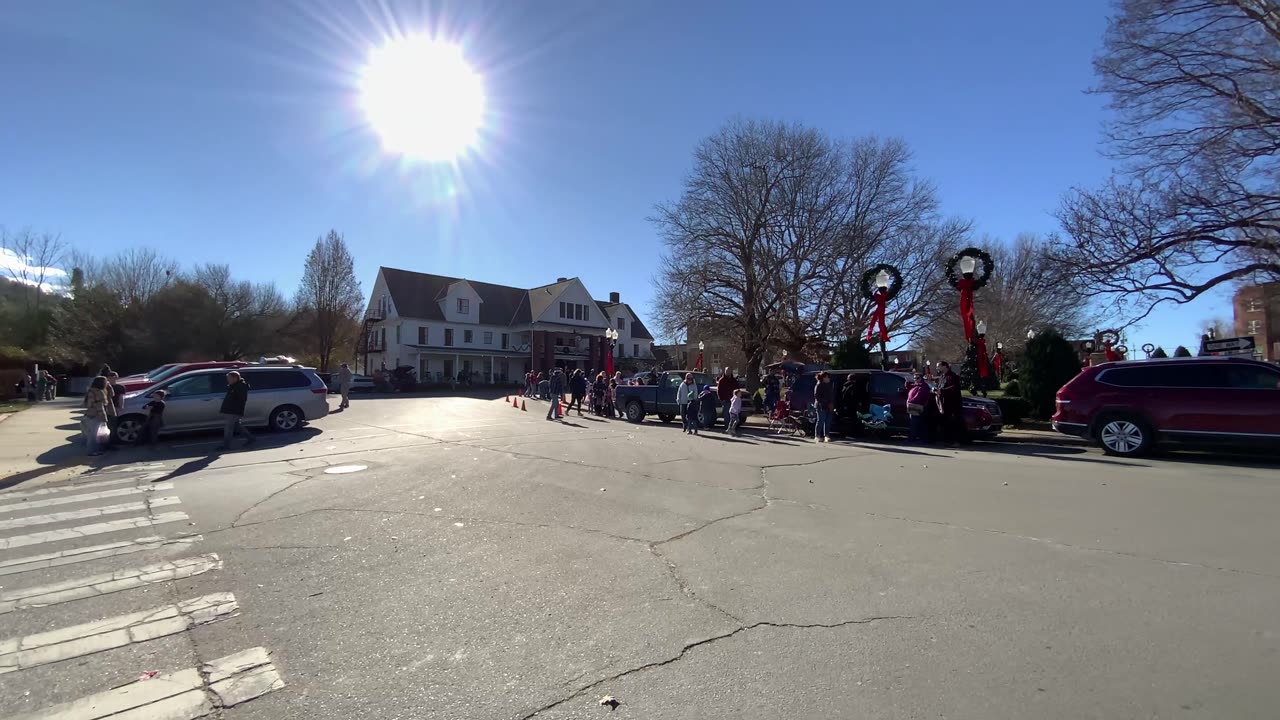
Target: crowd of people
[
  {"x": 596, "y": 388},
  {"x": 41, "y": 388}
]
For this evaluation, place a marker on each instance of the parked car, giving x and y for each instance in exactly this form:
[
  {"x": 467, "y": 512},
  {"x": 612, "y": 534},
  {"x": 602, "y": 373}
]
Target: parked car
[
  {"x": 173, "y": 370},
  {"x": 1130, "y": 407},
  {"x": 153, "y": 372},
  {"x": 359, "y": 383},
  {"x": 637, "y": 401},
  {"x": 981, "y": 415},
  {"x": 281, "y": 398}
]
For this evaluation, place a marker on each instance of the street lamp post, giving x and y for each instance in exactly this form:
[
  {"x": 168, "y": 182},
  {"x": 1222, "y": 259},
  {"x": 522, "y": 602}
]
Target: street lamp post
[
  {"x": 701, "y": 346},
  {"x": 612, "y": 336}
]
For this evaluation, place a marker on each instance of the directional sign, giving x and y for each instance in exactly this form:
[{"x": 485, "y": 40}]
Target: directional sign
[{"x": 1230, "y": 346}]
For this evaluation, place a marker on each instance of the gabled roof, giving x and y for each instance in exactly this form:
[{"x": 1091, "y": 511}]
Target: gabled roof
[
  {"x": 540, "y": 298},
  {"x": 417, "y": 295},
  {"x": 638, "y": 330}
]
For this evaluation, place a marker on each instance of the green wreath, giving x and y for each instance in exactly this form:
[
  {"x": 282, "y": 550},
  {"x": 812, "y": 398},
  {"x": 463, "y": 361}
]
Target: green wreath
[
  {"x": 984, "y": 259},
  {"x": 868, "y": 282}
]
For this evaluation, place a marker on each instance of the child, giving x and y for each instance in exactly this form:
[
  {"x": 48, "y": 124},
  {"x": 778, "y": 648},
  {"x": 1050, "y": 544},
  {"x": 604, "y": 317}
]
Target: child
[
  {"x": 155, "y": 416},
  {"x": 735, "y": 411}
]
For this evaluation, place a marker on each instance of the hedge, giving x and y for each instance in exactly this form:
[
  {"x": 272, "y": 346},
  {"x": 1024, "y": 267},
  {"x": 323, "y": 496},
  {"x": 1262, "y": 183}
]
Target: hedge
[{"x": 1014, "y": 409}]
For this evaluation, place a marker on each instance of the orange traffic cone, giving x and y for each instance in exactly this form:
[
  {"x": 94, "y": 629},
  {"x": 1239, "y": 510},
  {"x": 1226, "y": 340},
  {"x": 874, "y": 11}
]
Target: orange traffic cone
[
  {"x": 514, "y": 403},
  {"x": 522, "y": 407},
  {"x": 508, "y": 397},
  {"x": 559, "y": 407}
]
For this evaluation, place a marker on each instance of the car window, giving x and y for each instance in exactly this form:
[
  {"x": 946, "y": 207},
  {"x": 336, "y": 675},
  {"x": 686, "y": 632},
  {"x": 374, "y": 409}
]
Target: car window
[
  {"x": 276, "y": 379},
  {"x": 165, "y": 374},
  {"x": 1187, "y": 375},
  {"x": 673, "y": 381},
  {"x": 1252, "y": 378},
  {"x": 885, "y": 384},
  {"x": 204, "y": 384}
]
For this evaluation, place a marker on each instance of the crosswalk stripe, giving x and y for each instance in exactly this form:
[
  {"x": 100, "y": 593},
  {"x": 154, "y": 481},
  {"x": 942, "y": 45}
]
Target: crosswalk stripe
[
  {"x": 52, "y": 646},
  {"x": 182, "y": 695},
  {"x": 141, "y": 505},
  {"x": 106, "y": 583},
  {"x": 73, "y": 533},
  {"x": 28, "y": 563},
  {"x": 15, "y": 494},
  {"x": 86, "y": 497}
]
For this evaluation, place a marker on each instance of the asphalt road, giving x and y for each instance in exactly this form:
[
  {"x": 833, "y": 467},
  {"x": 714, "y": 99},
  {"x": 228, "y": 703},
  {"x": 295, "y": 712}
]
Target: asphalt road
[{"x": 480, "y": 562}]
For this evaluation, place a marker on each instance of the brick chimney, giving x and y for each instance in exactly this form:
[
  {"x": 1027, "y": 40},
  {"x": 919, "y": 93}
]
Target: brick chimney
[{"x": 615, "y": 298}]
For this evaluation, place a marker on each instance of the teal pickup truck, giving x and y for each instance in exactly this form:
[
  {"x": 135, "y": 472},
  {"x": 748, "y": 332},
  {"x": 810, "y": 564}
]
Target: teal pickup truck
[{"x": 659, "y": 399}]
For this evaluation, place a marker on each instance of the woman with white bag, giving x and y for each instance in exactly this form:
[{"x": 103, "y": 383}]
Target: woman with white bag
[{"x": 98, "y": 409}]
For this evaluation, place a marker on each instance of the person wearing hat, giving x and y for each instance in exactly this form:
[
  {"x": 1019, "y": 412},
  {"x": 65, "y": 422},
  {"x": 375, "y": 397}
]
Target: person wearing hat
[
  {"x": 686, "y": 395},
  {"x": 555, "y": 390}
]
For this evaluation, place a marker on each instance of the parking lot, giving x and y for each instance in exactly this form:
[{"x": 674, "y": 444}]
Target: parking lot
[{"x": 469, "y": 559}]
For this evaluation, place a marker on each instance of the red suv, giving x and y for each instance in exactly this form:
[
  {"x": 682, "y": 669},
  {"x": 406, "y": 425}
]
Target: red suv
[
  {"x": 174, "y": 370},
  {"x": 1130, "y": 406}
]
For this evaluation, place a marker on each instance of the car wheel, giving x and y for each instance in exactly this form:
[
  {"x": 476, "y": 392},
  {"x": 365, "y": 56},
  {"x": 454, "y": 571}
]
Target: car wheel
[
  {"x": 635, "y": 411},
  {"x": 286, "y": 418},
  {"x": 1123, "y": 435},
  {"x": 130, "y": 429},
  {"x": 666, "y": 418}
]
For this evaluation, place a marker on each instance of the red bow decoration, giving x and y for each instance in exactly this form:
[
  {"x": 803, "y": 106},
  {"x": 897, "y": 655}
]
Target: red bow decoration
[
  {"x": 998, "y": 361},
  {"x": 1112, "y": 355},
  {"x": 965, "y": 284},
  {"x": 981, "y": 342},
  {"x": 881, "y": 298},
  {"x": 699, "y": 365}
]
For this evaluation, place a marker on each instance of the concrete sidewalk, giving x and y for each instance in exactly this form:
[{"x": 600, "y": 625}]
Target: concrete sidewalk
[{"x": 42, "y": 440}]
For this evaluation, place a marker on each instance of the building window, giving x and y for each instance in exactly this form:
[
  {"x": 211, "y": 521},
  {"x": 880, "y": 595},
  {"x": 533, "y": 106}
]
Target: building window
[
  {"x": 577, "y": 311},
  {"x": 505, "y": 341},
  {"x": 448, "y": 337},
  {"x": 422, "y": 335},
  {"x": 586, "y": 313},
  {"x": 464, "y": 306},
  {"x": 467, "y": 337},
  {"x": 1255, "y": 305},
  {"x": 382, "y": 338},
  {"x": 397, "y": 334},
  {"x": 1253, "y": 327},
  {"x": 622, "y": 323},
  {"x": 562, "y": 310},
  {"x": 488, "y": 337},
  {"x": 635, "y": 350}
]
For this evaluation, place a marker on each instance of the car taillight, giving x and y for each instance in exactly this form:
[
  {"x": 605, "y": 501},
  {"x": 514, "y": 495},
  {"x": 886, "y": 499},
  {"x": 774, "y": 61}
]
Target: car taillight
[{"x": 320, "y": 391}]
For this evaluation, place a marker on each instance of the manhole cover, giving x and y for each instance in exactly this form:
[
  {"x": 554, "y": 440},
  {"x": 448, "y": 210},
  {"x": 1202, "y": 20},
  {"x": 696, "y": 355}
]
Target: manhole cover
[{"x": 344, "y": 469}]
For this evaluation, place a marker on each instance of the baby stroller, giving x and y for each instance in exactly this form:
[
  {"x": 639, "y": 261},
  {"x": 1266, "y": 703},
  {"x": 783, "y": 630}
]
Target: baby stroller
[
  {"x": 878, "y": 419},
  {"x": 782, "y": 422}
]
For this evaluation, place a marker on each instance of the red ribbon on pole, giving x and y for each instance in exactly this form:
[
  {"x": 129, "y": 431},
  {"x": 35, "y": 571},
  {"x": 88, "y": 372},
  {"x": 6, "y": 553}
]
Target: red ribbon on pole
[
  {"x": 699, "y": 365},
  {"x": 981, "y": 342},
  {"x": 998, "y": 361},
  {"x": 965, "y": 284},
  {"x": 609, "y": 361},
  {"x": 881, "y": 298},
  {"x": 1112, "y": 355}
]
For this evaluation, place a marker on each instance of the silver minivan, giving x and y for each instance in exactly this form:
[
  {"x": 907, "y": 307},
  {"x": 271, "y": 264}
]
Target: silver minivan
[{"x": 280, "y": 398}]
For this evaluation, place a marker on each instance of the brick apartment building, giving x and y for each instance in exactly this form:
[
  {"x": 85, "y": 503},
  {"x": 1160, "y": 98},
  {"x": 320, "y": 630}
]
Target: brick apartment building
[
  {"x": 1257, "y": 314},
  {"x": 452, "y": 329}
]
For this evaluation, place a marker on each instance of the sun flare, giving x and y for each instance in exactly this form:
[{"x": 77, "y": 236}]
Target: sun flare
[{"x": 422, "y": 98}]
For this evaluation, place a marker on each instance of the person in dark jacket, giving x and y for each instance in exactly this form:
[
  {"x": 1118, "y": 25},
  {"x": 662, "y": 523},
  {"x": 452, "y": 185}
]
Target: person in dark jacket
[
  {"x": 950, "y": 405},
  {"x": 855, "y": 399},
  {"x": 824, "y": 396},
  {"x": 708, "y": 404},
  {"x": 726, "y": 385},
  {"x": 577, "y": 391},
  {"x": 233, "y": 410}
]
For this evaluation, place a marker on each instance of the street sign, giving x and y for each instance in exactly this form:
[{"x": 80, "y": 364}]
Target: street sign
[{"x": 1229, "y": 346}]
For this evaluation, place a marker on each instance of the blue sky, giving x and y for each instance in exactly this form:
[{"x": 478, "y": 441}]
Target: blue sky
[{"x": 230, "y": 131}]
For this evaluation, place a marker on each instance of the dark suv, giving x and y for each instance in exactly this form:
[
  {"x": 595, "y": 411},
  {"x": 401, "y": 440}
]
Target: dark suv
[
  {"x": 981, "y": 415},
  {"x": 1130, "y": 406}
]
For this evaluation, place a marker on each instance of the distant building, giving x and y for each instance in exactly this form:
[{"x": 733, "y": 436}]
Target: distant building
[
  {"x": 1257, "y": 314},
  {"x": 456, "y": 330}
]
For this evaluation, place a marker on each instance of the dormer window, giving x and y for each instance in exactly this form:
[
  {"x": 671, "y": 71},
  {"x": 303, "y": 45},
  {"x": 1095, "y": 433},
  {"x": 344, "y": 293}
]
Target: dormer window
[{"x": 464, "y": 306}]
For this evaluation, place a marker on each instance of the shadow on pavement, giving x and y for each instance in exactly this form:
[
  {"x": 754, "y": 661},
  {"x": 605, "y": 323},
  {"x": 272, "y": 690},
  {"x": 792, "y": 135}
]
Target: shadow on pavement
[
  {"x": 19, "y": 478},
  {"x": 1077, "y": 453},
  {"x": 189, "y": 467}
]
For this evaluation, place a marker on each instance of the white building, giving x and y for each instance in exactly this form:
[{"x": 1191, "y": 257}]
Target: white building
[{"x": 456, "y": 330}]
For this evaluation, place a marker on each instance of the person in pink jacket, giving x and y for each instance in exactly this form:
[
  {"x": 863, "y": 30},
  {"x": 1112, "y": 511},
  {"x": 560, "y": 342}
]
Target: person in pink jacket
[{"x": 919, "y": 397}]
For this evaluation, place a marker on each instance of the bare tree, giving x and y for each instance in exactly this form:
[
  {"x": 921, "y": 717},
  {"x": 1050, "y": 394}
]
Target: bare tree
[
  {"x": 34, "y": 260},
  {"x": 240, "y": 316},
  {"x": 329, "y": 297},
  {"x": 1196, "y": 92},
  {"x": 1026, "y": 291},
  {"x": 776, "y": 225},
  {"x": 136, "y": 275}
]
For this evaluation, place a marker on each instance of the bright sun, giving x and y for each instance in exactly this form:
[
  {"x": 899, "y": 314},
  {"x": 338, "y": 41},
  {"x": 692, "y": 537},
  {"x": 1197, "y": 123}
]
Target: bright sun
[{"x": 422, "y": 98}]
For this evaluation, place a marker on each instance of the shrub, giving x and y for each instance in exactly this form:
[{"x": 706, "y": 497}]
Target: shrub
[
  {"x": 1014, "y": 409},
  {"x": 1159, "y": 353},
  {"x": 1012, "y": 389},
  {"x": 1050, "y": 363},
  {"x": 1181, "y": 352}
]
